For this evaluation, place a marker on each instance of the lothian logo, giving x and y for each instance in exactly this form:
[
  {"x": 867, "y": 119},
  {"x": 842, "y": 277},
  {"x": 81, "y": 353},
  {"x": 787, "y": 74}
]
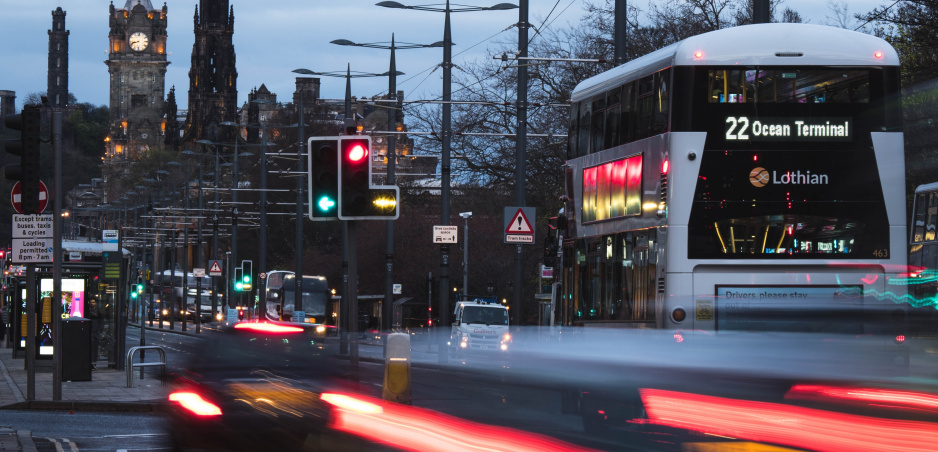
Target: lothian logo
[{"x": 760, "y": 178}]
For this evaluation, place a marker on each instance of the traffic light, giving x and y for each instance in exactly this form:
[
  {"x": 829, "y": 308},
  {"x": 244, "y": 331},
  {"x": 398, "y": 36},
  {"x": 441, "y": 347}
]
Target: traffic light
[
  {"x": 358, "y": 199},
  {"x": 247, "y": 271},
  {"x": 323, "y": 178},
  {"x": 354, "y": 175},
  {"x": 238, "y": 283},
  {"x": 27, "y": 147}
]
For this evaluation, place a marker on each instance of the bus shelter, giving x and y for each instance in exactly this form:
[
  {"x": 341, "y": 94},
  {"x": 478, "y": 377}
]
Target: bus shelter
[{"x": 92, "y": 284}]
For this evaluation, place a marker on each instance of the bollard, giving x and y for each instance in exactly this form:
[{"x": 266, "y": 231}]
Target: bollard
[{"x": 396, "y": 387}]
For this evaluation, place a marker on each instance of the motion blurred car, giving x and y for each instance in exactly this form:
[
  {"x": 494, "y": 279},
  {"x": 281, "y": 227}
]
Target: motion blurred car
[{"x": 255, "y": 386}]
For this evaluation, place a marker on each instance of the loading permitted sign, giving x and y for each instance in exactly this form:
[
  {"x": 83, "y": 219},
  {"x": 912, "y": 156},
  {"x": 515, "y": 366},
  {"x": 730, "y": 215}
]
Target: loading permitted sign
[{"x": 518, "y": 226}]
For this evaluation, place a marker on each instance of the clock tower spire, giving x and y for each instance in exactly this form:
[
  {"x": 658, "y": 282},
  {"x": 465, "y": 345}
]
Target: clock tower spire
[
  {"x": 213, "y": 79},
  {"x": 137, "y": 67}
]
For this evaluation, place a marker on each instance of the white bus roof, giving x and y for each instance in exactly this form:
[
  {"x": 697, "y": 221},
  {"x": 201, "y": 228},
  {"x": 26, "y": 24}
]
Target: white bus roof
[
  {"x": 752, "y": 45},
  {"x": 927, "y": 187}
]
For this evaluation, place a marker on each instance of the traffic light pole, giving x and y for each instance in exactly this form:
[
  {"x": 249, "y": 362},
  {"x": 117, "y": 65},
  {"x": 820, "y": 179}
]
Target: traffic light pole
[
  {"x": 57, "y": 251},
  {"x": 353, "y": 300}
]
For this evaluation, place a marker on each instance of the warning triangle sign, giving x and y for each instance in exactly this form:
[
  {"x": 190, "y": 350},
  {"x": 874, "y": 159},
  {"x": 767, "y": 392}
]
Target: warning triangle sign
[
  {"x": 519, "y": 224},
  {"x": 215, "y": 268}
]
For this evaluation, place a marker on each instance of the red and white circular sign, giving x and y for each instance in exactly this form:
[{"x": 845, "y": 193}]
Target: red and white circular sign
[{"x": 17, "y": 193}]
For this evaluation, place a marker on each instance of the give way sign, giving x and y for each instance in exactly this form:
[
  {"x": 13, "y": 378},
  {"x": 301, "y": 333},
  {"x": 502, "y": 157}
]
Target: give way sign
[{"x": 17, "y": 193}]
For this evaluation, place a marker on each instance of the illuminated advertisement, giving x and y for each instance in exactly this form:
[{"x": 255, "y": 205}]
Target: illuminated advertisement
[
  {"x": 613, "y": 189},
  {"x": 73, "y": 296}
]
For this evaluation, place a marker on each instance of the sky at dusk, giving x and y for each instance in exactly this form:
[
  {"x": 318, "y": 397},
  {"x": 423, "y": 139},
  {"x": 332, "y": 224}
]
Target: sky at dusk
[{"x": 274, "y": 37}]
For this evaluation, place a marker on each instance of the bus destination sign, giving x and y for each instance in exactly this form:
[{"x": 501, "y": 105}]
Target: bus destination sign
[{"x": 744, "y": 128}]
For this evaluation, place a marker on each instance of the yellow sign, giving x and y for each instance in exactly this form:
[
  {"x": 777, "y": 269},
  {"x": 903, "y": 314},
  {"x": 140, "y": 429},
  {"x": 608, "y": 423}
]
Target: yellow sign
[{"x": 705, "y": 309}]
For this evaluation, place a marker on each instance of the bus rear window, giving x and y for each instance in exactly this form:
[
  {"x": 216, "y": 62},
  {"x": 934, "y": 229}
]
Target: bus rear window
[{"x": 789, "y": 85}]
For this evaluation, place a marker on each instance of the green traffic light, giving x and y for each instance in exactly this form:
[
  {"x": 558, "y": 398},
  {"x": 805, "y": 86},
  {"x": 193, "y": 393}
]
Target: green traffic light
[
  {"x": 133, "y": 295},
  {"x": 246, "y": 279},
  {"x": 326, "y": 204},
  {"x": 238, "y": 286}
]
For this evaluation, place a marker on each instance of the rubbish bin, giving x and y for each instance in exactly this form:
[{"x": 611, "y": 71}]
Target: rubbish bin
[{"x": 76, "y": 349}]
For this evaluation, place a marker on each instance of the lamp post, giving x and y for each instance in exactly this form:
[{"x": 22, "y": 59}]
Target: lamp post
[
  {"x": 447, "y": 136},
  {"x": 263, "y": 202},
  {"x": 214, "y": 253},
  {"x": 386, "y": 312},
  {"x": 465, "y": 253}
]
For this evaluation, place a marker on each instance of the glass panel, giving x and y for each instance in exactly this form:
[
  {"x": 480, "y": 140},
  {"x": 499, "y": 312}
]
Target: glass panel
[
  {"x": 789, "y": 85},
  {"x": 931, "y": 217},
  {"x": 918, "y": 234}
]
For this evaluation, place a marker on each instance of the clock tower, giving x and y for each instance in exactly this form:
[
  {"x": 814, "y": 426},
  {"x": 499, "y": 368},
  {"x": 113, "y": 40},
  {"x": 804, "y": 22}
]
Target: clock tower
[{"x": 137, "y": 67}]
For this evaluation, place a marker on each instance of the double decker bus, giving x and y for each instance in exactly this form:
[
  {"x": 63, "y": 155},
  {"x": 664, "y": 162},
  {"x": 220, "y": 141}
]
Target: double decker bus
[
  {"x": 733, "y": 177},
  {"x": 280, "y": 294}
]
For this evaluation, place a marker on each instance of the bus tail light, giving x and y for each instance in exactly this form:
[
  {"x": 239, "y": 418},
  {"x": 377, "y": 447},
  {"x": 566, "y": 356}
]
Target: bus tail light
[
  {"x": 678, "y": 315},
  {"x": 663, "y": 198}
]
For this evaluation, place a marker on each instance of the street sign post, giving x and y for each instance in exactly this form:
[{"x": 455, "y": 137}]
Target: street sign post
[
  {"x": 16, "y": 195},
  {"x": 214, "y": 267},
  {"x": 518, "y": 226},
  {"x": 445, "y": 234},
  {"x": 32, "y": 238}
]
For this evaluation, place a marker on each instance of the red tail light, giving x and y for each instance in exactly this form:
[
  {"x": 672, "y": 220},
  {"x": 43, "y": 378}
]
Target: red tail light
[
  {"x": 268, "y": 328},
  {"x": 195, "y": 403}
]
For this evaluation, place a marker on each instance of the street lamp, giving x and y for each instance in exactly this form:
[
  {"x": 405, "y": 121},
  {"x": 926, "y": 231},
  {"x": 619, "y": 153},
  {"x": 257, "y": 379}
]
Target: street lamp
[
  {"x": 391, "y": 154},
  {"x": 447, "y": 136},
  {"x": 465, "y": 253}
]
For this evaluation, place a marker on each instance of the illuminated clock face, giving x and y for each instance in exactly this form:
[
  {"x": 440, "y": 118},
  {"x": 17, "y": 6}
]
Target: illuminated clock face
[{"x": 138, "y": 41}]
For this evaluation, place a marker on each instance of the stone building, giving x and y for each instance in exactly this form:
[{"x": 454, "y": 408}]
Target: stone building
[
  {"x": 137, "y": 68},
  {"x": 213, "y": 79},
  {"x": 57, "y": 86}
]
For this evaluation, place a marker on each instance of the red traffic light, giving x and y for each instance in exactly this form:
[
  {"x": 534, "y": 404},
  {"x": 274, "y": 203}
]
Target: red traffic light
[{"x": 357, "y": 152}]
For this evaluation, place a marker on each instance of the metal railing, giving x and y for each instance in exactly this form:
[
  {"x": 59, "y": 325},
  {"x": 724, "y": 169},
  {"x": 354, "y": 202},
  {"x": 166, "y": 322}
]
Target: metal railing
[{"x": 131, "y": 365}]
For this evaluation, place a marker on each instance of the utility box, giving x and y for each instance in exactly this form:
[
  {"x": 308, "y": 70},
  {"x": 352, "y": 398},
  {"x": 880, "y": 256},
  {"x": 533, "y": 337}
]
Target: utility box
[{"x": 76, "y": 349}]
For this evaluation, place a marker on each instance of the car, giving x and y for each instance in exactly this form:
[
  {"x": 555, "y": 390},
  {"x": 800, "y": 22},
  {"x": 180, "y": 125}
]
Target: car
[{"x": 253, "y": 386}]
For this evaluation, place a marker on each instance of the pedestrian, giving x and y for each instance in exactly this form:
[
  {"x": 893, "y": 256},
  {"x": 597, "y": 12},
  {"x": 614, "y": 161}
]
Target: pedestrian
[{"x": 94, "y": 313}]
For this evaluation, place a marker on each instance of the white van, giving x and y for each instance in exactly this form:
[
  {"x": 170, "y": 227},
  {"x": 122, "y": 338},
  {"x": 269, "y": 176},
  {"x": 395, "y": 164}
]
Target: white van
[{"x": 480, "y": 326}]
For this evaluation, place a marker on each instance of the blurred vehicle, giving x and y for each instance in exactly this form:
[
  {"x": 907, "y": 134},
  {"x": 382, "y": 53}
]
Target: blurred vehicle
[
  {"x": 696, "y": 390},
  {"x": 170, "y": 285},
  {"x": 479, "y": 326},
  {"x": 923, "y": 257},
  {"x": 255, "y": 386}
]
